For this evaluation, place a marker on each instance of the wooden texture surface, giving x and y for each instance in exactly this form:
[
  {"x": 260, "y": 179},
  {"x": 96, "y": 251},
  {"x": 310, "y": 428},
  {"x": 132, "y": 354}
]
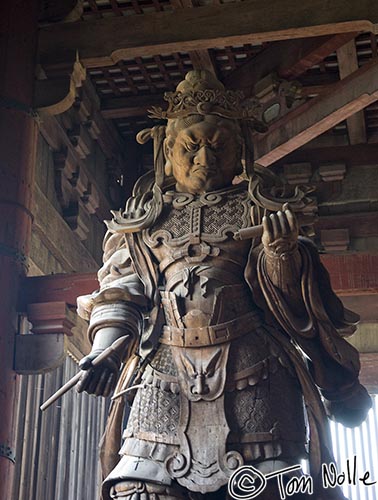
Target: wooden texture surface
[
  {"x": 17, "y": 146},
  {"x": 348, "y": 64},
  {"x": 318, "y": 115},
  {"x": 288, "y": 58},
  {"x": 209, "y": 26},
  {"x": 58, "y": 237}
]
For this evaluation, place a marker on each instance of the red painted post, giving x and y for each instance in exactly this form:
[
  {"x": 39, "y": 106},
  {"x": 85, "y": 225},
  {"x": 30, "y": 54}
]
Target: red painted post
[{"x": 18, "y": 129}]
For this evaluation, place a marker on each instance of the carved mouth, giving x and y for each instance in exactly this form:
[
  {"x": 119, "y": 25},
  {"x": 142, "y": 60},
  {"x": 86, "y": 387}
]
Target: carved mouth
[{"x": 205, "y": 170}]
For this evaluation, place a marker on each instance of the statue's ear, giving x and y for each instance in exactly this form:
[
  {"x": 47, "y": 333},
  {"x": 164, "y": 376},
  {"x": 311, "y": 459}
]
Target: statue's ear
[{"x": 167, "y": 154}]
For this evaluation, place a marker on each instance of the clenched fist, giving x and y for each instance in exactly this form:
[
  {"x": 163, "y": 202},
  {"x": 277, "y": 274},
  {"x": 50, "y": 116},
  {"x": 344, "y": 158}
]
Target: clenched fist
[{"x": 101, "y": 379}]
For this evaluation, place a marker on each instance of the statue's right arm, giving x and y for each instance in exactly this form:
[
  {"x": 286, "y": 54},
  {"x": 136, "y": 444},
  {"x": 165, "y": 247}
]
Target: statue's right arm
[{"x": 113, "y": 311}]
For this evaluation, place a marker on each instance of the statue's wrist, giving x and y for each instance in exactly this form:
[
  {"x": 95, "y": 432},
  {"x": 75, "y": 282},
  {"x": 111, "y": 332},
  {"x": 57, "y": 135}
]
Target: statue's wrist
[
  {"x": 105, "y": 337},
  {"x": 283, "y": 265},
  {"x": 117, "y": 319},
  {"x": 281, "y": 249}
]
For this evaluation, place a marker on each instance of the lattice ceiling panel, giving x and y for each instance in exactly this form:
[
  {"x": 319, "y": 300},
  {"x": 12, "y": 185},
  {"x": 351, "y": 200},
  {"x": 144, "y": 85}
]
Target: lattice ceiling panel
[
  {"x": 327, "y": 72},
  {"x": 107, "y": 8},
  {"x": 149, "y": 76},
  {"x": 226, "y": 59},
  {"x": 141, "y": 76}
]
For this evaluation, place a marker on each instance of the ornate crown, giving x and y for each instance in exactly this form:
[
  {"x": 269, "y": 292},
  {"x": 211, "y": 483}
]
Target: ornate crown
[{"x": 201, "y": 93}]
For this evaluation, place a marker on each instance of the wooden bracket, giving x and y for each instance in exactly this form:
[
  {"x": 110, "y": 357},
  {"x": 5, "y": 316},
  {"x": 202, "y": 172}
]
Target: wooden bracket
[
  {"x": 44, "y": 349},
  {"x": 56, "y": 95},
  {"x": 330, "y": 172},
  {"x": 335, "y": 240},
  {"x": 298, "y": 173}
]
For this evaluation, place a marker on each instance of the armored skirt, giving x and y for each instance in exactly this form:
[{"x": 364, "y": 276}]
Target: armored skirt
[{"x": 197, "y": 434}]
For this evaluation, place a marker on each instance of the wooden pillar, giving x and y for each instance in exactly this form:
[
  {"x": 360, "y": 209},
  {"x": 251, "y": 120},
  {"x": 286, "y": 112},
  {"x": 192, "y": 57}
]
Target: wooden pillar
[{"x": 17, "y": 156}]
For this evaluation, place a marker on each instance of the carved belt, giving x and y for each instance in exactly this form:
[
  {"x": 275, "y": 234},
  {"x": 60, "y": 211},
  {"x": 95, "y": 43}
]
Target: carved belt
[{"x": 209, "y": 335}]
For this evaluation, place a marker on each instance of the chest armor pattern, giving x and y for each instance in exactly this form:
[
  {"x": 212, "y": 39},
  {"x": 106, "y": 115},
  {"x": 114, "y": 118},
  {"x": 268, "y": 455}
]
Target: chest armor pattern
[{"x": 209, "y": 218}]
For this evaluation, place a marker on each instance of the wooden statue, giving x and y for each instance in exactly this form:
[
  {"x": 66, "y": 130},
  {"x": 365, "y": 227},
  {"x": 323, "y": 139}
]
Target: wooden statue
[{"x": 237, "y": 351}]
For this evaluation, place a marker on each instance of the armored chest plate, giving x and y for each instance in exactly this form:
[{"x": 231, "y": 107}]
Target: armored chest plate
[{"x": 209, "y": 218}]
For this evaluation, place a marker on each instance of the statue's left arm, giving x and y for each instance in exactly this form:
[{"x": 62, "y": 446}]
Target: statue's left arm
[{"x": 297, "y": 291}]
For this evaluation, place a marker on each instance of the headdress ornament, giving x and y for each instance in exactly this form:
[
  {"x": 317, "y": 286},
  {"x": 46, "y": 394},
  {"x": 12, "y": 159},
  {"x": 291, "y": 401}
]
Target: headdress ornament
[{"x": 201, "y": 93}]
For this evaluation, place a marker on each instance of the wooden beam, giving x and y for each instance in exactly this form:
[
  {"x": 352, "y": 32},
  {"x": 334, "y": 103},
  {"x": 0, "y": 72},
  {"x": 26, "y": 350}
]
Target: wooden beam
[
  {"x": 348, "y": 64},
  {"x": 360, "y": 154},
  {"x": 61, "y": 288},
  {"x": 318, "y": 115},
  {"x": 56, "y": 288},
  {"x": 288, "y": 58},
  {"x": 251, "y": 21},
  {"x": 360, "y": 225}
]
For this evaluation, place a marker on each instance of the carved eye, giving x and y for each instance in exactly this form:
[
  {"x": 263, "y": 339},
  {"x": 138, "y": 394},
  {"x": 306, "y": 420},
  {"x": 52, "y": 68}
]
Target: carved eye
[{"x": 191, "y": 147}]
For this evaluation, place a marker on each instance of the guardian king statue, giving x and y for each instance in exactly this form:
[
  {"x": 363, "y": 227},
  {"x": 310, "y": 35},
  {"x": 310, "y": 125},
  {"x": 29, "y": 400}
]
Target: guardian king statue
[{"x": 236, "y": 352}]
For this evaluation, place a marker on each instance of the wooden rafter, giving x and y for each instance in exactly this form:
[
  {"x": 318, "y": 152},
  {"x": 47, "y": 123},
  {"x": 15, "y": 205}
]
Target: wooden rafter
[
  {"x": 288, "y": 58},
  {"x": 359, "y": 154},
  {"x": 251, "y": 21},
  {"x": 350, "y": 95},
  {"x": 348, "y": 63}
]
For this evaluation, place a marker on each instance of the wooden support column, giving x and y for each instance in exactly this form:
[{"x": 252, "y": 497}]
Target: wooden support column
[{"x": 17, "y": 154}]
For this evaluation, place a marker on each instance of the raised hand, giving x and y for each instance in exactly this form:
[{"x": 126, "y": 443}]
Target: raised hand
[{"x": 280, "y": 233}]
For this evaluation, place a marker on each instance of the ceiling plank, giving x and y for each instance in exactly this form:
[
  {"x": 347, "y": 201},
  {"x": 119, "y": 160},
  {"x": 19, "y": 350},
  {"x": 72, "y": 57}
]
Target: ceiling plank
[
  {"x": 348, "y": 63},
  {"x": 251, "y": 21},
  {"x": 350, "y": 95},
  {"x": 201, "y": 59},
  {"x": 288, "y": 58}
]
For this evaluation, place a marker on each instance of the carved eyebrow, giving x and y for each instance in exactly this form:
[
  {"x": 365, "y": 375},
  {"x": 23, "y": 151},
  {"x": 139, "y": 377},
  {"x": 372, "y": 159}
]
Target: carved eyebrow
[{"x": 189, "y": 138}]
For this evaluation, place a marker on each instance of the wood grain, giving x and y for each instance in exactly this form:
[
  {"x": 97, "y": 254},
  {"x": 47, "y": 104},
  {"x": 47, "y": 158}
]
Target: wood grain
[{"x": 251, "y": 21}]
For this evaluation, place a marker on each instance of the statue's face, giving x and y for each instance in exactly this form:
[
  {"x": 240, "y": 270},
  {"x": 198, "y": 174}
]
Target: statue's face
[{"x": 205, "y": 156}]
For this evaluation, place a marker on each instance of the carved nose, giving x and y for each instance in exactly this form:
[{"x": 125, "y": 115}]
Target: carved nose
[
  {"x": 205, "y": 157},
  {"x": 200, "y": 387}
]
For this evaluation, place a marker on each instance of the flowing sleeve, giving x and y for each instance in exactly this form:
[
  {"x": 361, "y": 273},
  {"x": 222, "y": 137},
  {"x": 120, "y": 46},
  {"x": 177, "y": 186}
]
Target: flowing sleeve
[
  {"x": 119, "y": 282},
  {"x": 319, "y": 333}
]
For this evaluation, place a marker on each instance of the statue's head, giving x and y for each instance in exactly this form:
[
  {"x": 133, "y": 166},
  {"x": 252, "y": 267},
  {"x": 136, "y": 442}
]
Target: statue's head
[
  {"x": 203, "y": 152},
  {"x": 203, "y": 144}
]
